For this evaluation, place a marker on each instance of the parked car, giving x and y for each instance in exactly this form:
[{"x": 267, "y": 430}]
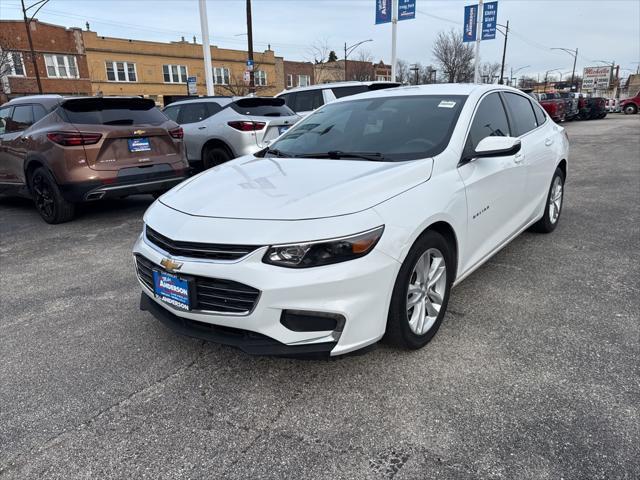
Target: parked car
[
  {"x": 613, "y": 105},
  {"x": 583, "y": 107},
  {"x": 597, "y": 107},
  {"x": 64, "y": 150},
  {"x": 354, "y": 224},
  {"x": 571, "y": 105},
  {"x": 304, "y": 100},
  {"x": 217, "y": 129},
  {"x": 554, "y": 105},
  {"x": 630, "y": 105}
]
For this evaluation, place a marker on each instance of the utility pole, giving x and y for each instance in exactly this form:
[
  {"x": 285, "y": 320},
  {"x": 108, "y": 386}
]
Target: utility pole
[
  {"x": 349, "y": 50},
  {"x": 476, "y": 74},
  {"x": 345, "y": 61},
  {"x": 394, "y": 34},
  {"x": 27, "y": 25},
  {"x": 414, "y": 68},
  {"x": 252, "y": 78},
  {"x": 206, "y": 48},
  {"x": 504, "y": 53}
]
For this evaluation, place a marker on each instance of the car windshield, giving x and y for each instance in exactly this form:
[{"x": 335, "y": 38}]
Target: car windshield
[{"x": 394, "y": 128}]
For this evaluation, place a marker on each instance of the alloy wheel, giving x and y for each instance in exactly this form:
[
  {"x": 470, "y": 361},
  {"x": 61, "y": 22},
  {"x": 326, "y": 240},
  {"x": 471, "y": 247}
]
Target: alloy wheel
[
  {"x": 43, "y": 195},
  {"x": 426, "y": 291},
  {"x": 555, "y": 200}
]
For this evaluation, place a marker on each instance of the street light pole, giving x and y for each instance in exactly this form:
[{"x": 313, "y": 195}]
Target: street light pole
[
  {"x": 206, "y": 48},
  {"x": 574, "y": 54},
  {"x": 504, "y": 53},
  {"x": 349, "y": 50},
  {"x": 27, "y": 25},
  {"x": 516, "y": 71},
  {"x": 394, "y": 34}
]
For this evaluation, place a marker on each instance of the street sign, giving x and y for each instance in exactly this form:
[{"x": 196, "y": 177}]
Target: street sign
[
  {"x": 250, "y": 65},
  {"x": 596, "y": 78},
  {"x": 192, "y": 87},
  {"x": 470, "y": 23},
  {"x": 489, "y": 19},
  {"x": 406, "y": 9},
  {"x": 383, "y": 11},
  {"x": 247, "y": 76}
]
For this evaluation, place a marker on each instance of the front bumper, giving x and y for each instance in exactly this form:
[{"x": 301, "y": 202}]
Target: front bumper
[{"x": 358, "y": 291}]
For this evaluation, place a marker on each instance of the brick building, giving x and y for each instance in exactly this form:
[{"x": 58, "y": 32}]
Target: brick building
[
  {"x": 298, "y": 74},
  {"x": 59, "y": 55},
  {"x": 381, "y": 72}
]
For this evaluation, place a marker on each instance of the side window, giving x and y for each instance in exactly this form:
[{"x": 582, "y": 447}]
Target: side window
[
  {"x": 522, "y": 113},
  {"x": 172, "y": 113},
  {"x": 39, "y": 113},
  {"x": 192, "y": 113},
  {"x": 540, "y": 116},
  {"x": 340, "y": 92},
  {"x": 213, "y": 108},
  {"x": 22, "y": 118},
  {"x": 5, "y": 118},
  {"x": 288, "y": 99},
  {"x": 490, "y": 120},
  {"x": 306, "y": 101}
]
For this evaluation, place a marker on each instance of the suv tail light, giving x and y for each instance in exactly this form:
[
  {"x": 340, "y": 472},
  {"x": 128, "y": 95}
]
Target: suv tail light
[
  {"x": 177, "y": 133},
  {"x": 74, "y": 139},
  {"x": 245, "y": 126}
]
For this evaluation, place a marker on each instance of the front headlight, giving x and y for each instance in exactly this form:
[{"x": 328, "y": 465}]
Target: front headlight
[{"x": 323, "y": 252}]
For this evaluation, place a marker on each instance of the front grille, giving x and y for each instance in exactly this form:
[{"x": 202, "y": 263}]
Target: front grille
[
  {"x": 211, "y": 294},
  {"x": 211, "y": 251}
]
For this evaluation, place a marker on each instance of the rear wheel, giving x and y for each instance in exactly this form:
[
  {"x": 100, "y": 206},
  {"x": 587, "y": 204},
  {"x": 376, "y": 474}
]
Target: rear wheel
[
  {"x": 630, "y": 109},
  {"x": 553, "y": 208},
  {"x": 214, "y": 156},
  {"x": 421, "y": 293},
  {"x": 51, "y": 205}
]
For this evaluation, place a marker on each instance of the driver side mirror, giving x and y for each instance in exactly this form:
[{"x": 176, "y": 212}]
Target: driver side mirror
[{"x": 497, "y": 147}]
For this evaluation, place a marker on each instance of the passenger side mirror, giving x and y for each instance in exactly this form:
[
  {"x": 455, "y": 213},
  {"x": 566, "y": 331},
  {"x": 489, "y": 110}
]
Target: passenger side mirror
[{"x": 497, "y": 147}]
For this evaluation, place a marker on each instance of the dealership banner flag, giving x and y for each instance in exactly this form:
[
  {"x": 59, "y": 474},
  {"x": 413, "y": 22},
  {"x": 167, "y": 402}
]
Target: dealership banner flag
[
  {"x": 383, "y": 11},
  {"x": 406, "y": 9},
  {"x": 489, "y": 19},
  {"x": 470, "y": 23}
]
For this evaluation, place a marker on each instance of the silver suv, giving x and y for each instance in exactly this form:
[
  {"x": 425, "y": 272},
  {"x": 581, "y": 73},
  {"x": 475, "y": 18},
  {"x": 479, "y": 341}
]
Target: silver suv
[
  {"x": 304, "y": 100},
  {"x": 217, "y": 129}
]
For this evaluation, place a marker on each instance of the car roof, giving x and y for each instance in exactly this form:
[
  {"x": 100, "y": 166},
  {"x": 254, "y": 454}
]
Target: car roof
[
  {"x": 48, "y": 100},
  {"x": 353, "y": 83},
  {"x": 222, "y": 99}
]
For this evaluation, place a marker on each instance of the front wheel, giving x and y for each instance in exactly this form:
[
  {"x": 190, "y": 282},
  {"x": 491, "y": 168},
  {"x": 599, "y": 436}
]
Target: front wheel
[
  {"x": 51, "y": 205},
  {"x": 421, "y": 293},
  {"x": 630, "y": 109},
  {"x": 553, "y": 208}
]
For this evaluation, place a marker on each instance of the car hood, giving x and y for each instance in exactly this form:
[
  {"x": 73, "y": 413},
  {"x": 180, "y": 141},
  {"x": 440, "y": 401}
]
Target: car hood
[{"x": 294, "y": 188}]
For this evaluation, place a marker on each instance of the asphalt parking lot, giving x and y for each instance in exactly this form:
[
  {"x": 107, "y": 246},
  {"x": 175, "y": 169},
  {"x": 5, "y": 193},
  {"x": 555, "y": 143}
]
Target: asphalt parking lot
[{"x": 533, "y": 375}]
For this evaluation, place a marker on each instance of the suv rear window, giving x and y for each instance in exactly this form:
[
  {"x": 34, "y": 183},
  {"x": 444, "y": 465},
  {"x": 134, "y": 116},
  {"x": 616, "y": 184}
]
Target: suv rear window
[
  {"x": 262, "y": 107},
  {"x": 340, "y": 92},
  {"x": 112, "y": 111},
  {"x": 304, "y": 101}
]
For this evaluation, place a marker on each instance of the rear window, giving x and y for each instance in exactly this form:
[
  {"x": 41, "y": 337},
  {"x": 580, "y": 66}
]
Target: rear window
[
  {"x": 112, "y": 111},
  {"x": 262, "y": 107},
  {"x": 340, "y": 92},
  {"x": 304, "y": 101}
]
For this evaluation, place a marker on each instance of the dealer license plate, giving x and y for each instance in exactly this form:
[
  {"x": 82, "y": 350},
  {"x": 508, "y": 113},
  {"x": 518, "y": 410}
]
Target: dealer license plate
[
  {"x": 171, "y": 289},
  {"x": 139, "y": 144}
]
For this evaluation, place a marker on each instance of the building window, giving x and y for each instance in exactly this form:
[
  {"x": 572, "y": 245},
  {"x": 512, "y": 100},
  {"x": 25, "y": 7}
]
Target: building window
[
  {"x": 261, "y": 78},
  {"x": 289, "y": 80},
  {"x": 121, "y": 71},
  {"x": 174, "y": 73},
  {"x": 14, "y": 64},
  {"x": 61, "y": 66},
  {"x": 304, "y": 80},
  {"x": 220, "y": 76}
]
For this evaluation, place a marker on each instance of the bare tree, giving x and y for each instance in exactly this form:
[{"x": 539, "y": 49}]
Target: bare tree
[
  {"x": 454, "y": 57},
  {"x": 489, "y": 71},
  {"x": 403, "y": 74},
  {"x": 318, "y": 51}
]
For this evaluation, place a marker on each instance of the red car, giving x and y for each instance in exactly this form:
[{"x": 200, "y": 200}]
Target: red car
[
  {"x": 554, "y": 105},
  {"x": 630, "y": 105}
]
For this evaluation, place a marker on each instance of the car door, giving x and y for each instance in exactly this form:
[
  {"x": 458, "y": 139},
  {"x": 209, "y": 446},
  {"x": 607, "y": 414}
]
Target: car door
[
  {"x": 192, "y": 117},
  {"x": 537, "y": 146},
  {"x": 494, "y": 186},
  {"x": 5, "y": 120},
  {"x": 15, "y": 142}
]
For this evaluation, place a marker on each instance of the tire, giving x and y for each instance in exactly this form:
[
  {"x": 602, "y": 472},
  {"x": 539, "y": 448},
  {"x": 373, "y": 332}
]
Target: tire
[
  {"x": 50, "y": 203},
  {"x": 403, "y": 321},
  {"x": 552, "y": 209},
  {"x": 630, "y": 109},
  {"x": 214, "y": 156}
]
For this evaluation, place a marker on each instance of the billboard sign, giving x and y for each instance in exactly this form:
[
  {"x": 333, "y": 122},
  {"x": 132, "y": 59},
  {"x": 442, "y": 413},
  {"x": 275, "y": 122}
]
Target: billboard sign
[
  {"x": 383, "y": 11},
  {"x": 470, "y": 23},
  {"x": 406, "y": 9},
  {"x": 489, "y": 19},
  {"x": 596, "y": 78}
]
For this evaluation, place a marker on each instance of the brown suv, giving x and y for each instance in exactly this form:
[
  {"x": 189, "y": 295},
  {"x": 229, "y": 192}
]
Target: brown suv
[{"x": 65, "y": 150}]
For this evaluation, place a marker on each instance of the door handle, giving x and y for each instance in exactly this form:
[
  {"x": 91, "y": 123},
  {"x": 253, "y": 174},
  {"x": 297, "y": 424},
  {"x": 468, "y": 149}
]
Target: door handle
[
  {"x": 518, "y": 157},
  {"x": 24, "y": 139},
  {"x": 548, "y": 142},
  {"x": 202, "y": 128}
]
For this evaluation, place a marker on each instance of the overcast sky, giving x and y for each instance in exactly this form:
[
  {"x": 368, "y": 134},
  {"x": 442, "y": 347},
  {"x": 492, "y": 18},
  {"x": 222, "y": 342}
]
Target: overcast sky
[{"x": 601, "y": 29}]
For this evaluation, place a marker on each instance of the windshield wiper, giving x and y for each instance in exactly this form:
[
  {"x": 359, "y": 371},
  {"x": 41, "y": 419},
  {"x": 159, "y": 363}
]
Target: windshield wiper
[
  {"x": 337, "y": 154},
  {"x": 275, "y": 152}
]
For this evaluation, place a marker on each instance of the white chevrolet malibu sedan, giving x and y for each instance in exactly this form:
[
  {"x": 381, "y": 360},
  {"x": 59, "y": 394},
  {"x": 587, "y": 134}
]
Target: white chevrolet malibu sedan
[{"x": 356, "y": 223}]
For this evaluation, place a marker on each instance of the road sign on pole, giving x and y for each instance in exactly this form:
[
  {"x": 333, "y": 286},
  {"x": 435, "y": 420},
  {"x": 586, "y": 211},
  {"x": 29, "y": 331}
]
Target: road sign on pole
[
  {"x": 192, "y": 87},
  {"x": 250, "y": 65},
  {"x": 489, "y": 19}
]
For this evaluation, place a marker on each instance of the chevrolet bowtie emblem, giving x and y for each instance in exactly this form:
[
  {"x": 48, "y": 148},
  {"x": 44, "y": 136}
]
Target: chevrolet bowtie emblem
[
  {"x": 170, "y": 264},
  {"x": 139, "y": 132}
]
